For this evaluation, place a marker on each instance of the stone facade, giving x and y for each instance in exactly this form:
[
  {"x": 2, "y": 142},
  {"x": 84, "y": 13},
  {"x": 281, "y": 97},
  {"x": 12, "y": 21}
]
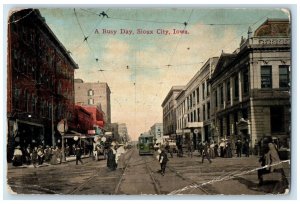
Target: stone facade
[{"x": 255, "y": 81}]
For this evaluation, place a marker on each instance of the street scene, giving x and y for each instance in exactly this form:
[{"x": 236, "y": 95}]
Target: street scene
[{"x": 148, "y": 101}]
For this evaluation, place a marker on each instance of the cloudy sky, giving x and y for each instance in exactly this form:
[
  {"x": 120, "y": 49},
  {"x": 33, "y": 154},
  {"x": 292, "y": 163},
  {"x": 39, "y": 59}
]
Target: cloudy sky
[{"x": 135, "y": 65}]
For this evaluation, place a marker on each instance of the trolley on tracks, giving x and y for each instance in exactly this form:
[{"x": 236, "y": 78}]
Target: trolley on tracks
[{"x": 146, "y": 144}]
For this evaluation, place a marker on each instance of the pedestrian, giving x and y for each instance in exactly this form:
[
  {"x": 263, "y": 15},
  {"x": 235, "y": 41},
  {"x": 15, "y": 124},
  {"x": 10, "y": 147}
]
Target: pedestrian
[
  {"x": 111, "y": 157},
  {"x": 67, "y": 151},
  {"x": 163, "y": 160},
  {"x": 27, "y": 153},
  {"x": 17, "y": 158},
  {"x": 47, "y": 153},
  {"x": 200, "y": 147},
  {"x": 272, "y": 163},
  {"x": 40, "y": 153},
  {"x": 211, "y": 150},
  {"x": 120, "y": 156},
  {"x": 54, "y": 157},
  {"x": 246, "y": 146},
  {"x": 34, "y": 156},
  {"x": 205, "y": 153},
  {"x": 216, "y": 150},
  {"x": 228, "y": 149},
  {"x": 168, "y": 148},
  {"x": 59, "y": 155},
  {"x": 78, "y": 154},
  {"x": 239, "y": 146},
  {"x": 190, "y": 147},
  {"x": 222, "y": 148}
]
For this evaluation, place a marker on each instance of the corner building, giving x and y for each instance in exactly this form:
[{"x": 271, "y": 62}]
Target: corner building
[{"x": 251, "y": 87}]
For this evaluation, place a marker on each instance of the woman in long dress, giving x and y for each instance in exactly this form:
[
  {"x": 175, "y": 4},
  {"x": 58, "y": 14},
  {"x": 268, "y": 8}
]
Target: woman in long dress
[
  {"x": 111, "y": 158},
  {"x": 120, "y": 157},
  {"x": 17, "y": 158}
]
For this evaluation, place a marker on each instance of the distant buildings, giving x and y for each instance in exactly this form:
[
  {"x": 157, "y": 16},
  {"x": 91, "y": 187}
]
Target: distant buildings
[
  {"x": 40, "y": 82},
  {"x": 169, "y": 114},
  {"x": 123, "y": 132},
  {"x": 157, "y": 131},
  {"x": 241, "y": 95},
  {"x": 94, "y": 94}
]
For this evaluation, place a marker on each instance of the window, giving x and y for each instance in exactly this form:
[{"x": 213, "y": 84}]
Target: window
[
  {"x": 203, "y": 91},
  {"x": 228, "y": 90},
  {"x": 203, "y": 112},
  {"x": 194, "y": 98},
  {"x": 195, "y": 116},
  {"x": 221, "y": 95},
  {"x": 266, "y": 76},
  {"x": 207, "y": 89},
  {"x": 216, "y": 98},
  {"x": 284, "y": 76},
  {"x": 198, "y": 114},
  {"x": 197, "y": 93},
  {"x": 246, "y": 81},
  {"x": 236, "y": 86},
  {"x": 91, "y": 101},
  {"x": 208, "y": 110},
  {"x": 90, "y": 92},
  {"x": 277, "y": 119}
]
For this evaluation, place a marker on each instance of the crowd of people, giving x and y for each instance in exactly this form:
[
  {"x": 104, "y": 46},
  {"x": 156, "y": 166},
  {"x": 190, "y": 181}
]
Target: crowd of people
[
  {"x": 36, "y": 155},
  {"x": 39, "y": 155}
]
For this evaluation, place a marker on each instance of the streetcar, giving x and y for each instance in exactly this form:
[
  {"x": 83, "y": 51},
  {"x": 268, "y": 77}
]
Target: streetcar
[{"x": 146, "y": 144}]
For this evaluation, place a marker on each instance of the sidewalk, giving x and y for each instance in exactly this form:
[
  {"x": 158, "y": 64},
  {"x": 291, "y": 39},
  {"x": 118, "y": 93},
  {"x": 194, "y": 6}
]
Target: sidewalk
[{"x": 68, "y": 159}]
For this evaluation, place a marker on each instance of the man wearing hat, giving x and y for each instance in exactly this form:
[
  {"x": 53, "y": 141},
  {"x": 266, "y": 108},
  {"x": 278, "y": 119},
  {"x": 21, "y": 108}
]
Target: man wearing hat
[
  {"x": 239, "y": 146},
  {"x": 17, "y": 158}
]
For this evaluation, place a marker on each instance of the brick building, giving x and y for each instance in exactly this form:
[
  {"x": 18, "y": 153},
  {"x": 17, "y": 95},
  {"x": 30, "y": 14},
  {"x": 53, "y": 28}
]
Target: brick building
[
  {"x": 94, "y": 94},
  {"x": 40, "y": 81}
]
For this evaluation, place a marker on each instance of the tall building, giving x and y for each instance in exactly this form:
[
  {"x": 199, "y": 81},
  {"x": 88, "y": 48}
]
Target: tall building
[
  {"x": 193, "y": 105},
  {"x": 40, "y": 82},
  {"x": 251, "y": 87},
  {"x": 94, "y": 94},
  {"x": 169, "y": 114}
]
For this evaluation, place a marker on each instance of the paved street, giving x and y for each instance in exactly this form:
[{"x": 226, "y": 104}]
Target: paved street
[{"x": 184, "y": 175}]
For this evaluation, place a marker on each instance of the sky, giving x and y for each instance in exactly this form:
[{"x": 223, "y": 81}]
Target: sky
[{"x": 136, "y": 66}]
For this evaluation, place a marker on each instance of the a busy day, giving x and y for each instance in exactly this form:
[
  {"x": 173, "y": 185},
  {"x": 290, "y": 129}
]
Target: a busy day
[{"x": 148, "y": 101}]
